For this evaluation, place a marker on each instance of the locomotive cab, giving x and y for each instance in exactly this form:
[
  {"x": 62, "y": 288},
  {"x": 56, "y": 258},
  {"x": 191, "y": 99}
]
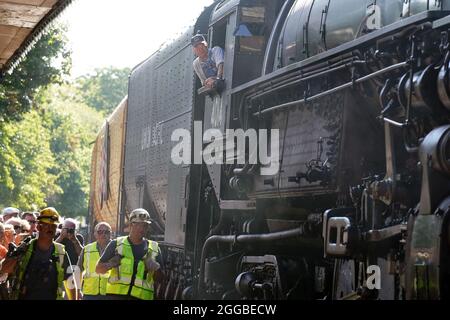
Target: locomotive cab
[{"x": 242, "y": 28}]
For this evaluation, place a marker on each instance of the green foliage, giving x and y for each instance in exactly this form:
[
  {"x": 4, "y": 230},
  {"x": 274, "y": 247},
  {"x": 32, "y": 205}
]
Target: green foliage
[
  {"x": 8, "y": 160},
  {"x": 104, "y": 89},
  {"x": 46, "y": 156},
  {"x": 47, "y": 128},
  {"x": 47, "y": 62},
  {"x": 26, "y": 176},
  {"x": 70, "y": 146},
  {"x": 64, "y": 99}
]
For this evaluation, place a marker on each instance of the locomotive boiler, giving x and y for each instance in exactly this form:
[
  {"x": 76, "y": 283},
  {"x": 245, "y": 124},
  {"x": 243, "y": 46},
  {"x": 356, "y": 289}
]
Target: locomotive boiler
[{"x": 359, "y": 206}]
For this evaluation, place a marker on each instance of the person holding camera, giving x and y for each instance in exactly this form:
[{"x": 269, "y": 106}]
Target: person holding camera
[
  {"x": 21, "y": 229},
  {"x": 72, "y": 241},
  {"x": 134, "y": 262}
]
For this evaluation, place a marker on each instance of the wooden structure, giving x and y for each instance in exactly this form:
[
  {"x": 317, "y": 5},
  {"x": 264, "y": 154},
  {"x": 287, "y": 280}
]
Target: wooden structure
[{"x": 21, "y": 24}]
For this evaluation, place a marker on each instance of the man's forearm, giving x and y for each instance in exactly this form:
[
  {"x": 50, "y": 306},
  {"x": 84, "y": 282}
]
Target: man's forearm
[
  {"x": 220, "y": 71},
  {"x": 77, "y": 245},
  {"x": 8, "y": 265}
]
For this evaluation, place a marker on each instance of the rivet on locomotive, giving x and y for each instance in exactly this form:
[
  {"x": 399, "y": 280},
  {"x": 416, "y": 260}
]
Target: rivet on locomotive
[{"x": 360, "y": 93}]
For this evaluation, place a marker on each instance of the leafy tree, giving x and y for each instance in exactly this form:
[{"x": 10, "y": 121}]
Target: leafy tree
[
  {"x": 71, "y": 150},
  {"x": 9, "y": 161},
  {"x": 47, "y": 62},
  {"x": 104, "y": 89},
  {"x": 46, "y": 156},
  {"x": 74, "y": 126},
  {"x": 47, "y": 126},
  {"x": 64, "y": 100},
  {"x": 25, "y": 156},
  {"x": 45, "y": 132},
  {"x": 26, "y": 177}
]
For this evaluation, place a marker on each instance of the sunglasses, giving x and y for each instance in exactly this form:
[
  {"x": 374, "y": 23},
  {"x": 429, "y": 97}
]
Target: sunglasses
[
  {"x": 46, "y": 225},
  {"x": 103, "y": 232},
  {"x": 17, "y": 227},
  {"x": 51, "y": 218},
  {"x": 70, "y": 230}
]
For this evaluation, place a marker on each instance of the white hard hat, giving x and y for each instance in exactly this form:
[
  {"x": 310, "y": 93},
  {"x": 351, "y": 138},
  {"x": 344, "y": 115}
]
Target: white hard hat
[{"x": 140, "y": 215}]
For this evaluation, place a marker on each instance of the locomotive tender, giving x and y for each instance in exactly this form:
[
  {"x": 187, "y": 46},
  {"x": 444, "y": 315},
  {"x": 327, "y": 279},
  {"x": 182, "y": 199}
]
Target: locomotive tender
[{"x": 360, "y": 93}]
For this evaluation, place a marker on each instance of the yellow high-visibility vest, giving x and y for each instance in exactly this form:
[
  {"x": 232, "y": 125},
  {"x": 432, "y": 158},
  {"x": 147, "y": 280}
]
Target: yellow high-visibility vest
[
  {"x": 119, "y": 281},
  {"x": 93, "y": 283},
  {"x": 58, "y": 252}
]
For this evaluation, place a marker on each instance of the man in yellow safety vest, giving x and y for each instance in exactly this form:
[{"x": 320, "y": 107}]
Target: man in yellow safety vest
[
  {"x": 133, "y": 261},
  {"x": 94, "y": 285},
  {"x": 38, "y": 267}
]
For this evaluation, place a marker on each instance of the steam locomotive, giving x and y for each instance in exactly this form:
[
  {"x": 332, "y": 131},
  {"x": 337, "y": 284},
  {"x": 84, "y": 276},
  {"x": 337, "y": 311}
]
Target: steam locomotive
[{"x": 359, "y": 91}]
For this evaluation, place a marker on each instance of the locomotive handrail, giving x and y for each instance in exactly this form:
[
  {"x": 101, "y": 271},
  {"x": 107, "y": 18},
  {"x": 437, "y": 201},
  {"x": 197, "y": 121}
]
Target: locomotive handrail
[
  {"x": 310, "y": 77},
  {"x": 334, "y": 90},
  {"x": 174, "y": 117},
  {"x": 394, "y": 123}
]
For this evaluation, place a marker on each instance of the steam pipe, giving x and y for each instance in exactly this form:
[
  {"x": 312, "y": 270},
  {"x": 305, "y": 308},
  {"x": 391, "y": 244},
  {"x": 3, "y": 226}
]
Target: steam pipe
[
  {"x": 310, "y": 77},
  {"x": 243, "y": 239},
  {"x": 336, "y": 89},
  {"x": 299, "y": 74}
]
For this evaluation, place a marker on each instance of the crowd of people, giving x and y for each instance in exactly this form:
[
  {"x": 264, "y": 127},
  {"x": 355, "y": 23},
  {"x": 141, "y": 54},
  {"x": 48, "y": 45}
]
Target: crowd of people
[{"x": 43, "y": 258}]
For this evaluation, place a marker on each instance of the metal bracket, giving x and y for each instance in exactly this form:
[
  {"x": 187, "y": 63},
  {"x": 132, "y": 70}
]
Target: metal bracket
[
  {"x": 444, "y": 42},
  {"x": 305, "y": 40},
  {"x": 337, "y": 236},
  {"x": 323, "y": 23},
  {"x": 336, "y": 227}
]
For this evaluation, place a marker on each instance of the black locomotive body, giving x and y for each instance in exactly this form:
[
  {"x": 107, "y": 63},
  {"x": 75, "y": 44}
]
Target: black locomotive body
[{"x": 359, "y": 91}]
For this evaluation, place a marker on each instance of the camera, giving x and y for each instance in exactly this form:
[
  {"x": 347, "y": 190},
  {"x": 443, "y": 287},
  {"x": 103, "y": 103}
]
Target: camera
[{"x": 17, "y": 251}]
